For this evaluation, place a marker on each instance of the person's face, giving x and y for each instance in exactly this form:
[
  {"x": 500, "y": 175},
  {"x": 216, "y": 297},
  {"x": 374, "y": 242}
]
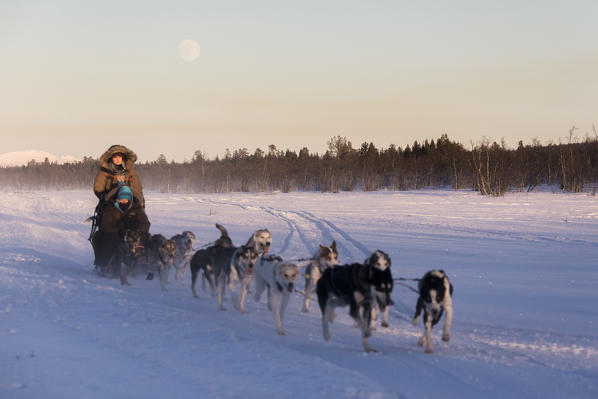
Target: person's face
[{"x": 117, "y": 159}]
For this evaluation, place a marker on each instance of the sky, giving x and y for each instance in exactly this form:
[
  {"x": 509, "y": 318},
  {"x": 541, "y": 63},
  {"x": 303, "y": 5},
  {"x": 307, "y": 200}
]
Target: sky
[{"x": 77, "y": 77}]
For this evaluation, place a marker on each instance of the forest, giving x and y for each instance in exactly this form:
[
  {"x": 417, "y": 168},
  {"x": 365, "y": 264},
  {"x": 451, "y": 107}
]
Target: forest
[{"x": 491, "y": 168}]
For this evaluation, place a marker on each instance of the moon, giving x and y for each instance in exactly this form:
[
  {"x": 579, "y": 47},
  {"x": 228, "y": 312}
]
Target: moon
[{"x": 189, "y": 50}]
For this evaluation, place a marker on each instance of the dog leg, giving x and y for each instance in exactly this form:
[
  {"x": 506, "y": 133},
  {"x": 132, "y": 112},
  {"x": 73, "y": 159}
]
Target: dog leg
[
  {"x": 269, "y": 301},
  {"x": 260, "y": 284},
  {"x": 193, "y": 281},
  {"x": 163, "y": 274},
  {"x": 232, "y": 286},
  {"x": 332, "y": 316},
  {"x": 123, "y": 275},
  {"x": 428, "y": 337},
  {"x": 446, "y": 331},
  {"x": 325, "y": 318},
  {"x": 210, "y": 279},
  {"x": 275, "y": 300},
  {"x": 374, "y": 315},
  {"x": 220, "y": 283},
  {"x": 244, "y": 289},
  {"x": 364, "y": 323},
  {"x": 283, "y": 307},
  {"x": 183, "y": 270},
  {"x": 286, "y": 296},
  {"x": 308, "y": 292},
  {"x": 385, "y": 318},
  {"x": 418, "y": 310}
]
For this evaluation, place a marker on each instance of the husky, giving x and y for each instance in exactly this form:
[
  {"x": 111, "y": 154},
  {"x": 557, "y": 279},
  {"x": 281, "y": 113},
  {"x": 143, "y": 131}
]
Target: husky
[
  {"x": 260, "y": 240},
  {"x": 161, "y": 254},
  {"x": 435, "y": 296},
  {"x": 184, "y": 252},
  {"x": 324, "y": 258},
  {"x": 129, "y": 250},
  {"x": 279, "y": 277},
  {"x": 358, "y": 286},
  {"x": 233, "y": 266},
  {"x": 380, "y": 260},
  {"x": 202, "y": 261}
]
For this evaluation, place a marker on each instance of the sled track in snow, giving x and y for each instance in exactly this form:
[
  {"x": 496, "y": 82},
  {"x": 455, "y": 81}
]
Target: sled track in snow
[{"x": 301, "y": 223}]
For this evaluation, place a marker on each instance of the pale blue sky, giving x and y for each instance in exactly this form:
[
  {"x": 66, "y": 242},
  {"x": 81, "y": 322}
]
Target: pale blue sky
[{"x": 79, "y": 76}]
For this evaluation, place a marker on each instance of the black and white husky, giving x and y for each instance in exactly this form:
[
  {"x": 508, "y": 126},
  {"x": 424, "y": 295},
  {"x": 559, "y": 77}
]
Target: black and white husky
[
  {"x": 325, "y": 257},
  {"x": 380, "y": 260},
  {"x": 358, "y": 286},
  {"x": 279, "y": 277},
  {"x": 435, "y": 297}
]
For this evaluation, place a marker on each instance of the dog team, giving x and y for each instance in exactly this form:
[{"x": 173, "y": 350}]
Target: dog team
[{"x": 364, "y": 287}]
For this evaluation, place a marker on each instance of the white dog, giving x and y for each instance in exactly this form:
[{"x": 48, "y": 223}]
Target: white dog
[{"x": 280, "y": 278}]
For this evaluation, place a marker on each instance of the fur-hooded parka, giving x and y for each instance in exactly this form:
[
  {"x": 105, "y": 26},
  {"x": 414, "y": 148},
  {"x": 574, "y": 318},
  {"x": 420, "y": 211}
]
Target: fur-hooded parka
[{"x": 106, "y": 185}]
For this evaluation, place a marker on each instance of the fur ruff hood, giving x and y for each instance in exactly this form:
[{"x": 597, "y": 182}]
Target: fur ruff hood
[{"x": 129, "y": 157}]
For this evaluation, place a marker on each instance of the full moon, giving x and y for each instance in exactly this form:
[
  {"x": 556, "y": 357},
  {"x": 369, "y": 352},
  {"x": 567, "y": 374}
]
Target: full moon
[{"x": 189, "y": 50}]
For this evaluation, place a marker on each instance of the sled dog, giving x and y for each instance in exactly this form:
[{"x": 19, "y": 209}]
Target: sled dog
[
  {"x": 380, "y": 260},
  {"x": 202, "y": 261},
  {"x": 435, "y": 297},
  {"x": 358, "y": 286},
  {"x": 325, "y": 257},
  {"x": 233, "y": 266},
  {"x": 129, "y": 250},
  {"x": 260, "y": 241},
  {"x": 279, "y": 277},
  {"x": 184, "y": 252},
  {"x": 161, "y": 254}
]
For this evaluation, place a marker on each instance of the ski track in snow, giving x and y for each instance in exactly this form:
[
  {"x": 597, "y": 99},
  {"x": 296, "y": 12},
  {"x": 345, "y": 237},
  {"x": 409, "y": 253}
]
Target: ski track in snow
[{"x": 173, "y": 341}]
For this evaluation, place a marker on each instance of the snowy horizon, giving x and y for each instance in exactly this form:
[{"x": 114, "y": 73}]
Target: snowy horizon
[
  {"x": 523, "y": 267},
  {"x": 22, "y": 158}
]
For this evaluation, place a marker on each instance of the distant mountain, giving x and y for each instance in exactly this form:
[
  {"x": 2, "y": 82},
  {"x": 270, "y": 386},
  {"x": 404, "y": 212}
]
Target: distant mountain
[{"x": 21, "y": 158}]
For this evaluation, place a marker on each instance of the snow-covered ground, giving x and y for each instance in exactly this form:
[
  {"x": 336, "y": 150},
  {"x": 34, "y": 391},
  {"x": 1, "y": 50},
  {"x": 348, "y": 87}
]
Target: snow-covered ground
[{"x": 524, "y": 268}]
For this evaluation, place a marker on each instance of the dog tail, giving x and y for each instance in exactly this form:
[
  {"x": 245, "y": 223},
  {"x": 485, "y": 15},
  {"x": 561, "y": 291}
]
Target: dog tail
[{"x": 222, "y": 230}]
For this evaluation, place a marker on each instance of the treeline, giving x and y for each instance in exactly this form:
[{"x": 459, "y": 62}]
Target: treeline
[{"x": 491, "y": 168}]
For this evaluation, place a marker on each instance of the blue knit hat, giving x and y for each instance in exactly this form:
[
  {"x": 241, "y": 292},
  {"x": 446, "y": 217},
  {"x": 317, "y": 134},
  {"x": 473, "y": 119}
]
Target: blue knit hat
[{"x": 124, "y": 193}]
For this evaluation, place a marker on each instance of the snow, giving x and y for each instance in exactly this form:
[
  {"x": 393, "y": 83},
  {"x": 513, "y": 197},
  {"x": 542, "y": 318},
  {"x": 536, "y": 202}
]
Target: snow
[
  {"x": 22, "y": 158},
  {"x": 523, "y": 267}
]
